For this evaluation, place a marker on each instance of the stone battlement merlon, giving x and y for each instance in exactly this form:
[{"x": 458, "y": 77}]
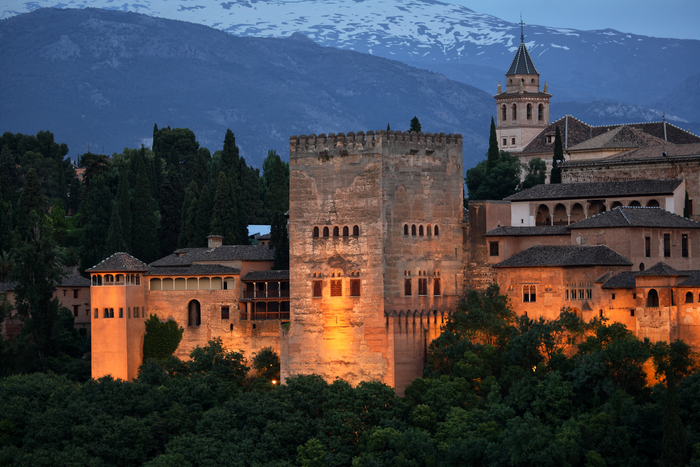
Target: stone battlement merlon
[{"x": 361, "y": 141}]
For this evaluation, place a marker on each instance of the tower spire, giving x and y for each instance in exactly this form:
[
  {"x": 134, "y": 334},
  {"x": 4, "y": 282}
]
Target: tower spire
[{"x": 522, "y": 30}]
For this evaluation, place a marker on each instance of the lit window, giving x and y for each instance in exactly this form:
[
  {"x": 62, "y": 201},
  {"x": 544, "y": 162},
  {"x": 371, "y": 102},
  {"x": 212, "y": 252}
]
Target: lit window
[{"x": 529, "y": 293}]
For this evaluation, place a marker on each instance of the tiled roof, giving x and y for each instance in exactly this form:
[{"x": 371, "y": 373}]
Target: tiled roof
[
  {"x": 630, "y": 216},
  {"x": 74, "y": 281},
  {"x": 672, "y": 133},
  {"x": 655, "y": 151},
  {"x": 280, "y": 275},
  {"x": 522, "y": 63},
  {"x": 692, "y": 281},
  {"x": 222, "y": 253},
  {"x": 623, "y": 280},
  {"x": 193, "y": 270},
  {"x": 662, "y": 269},
  {"x": 597, "y": 189},
  {"x": 603, "y": 278},
  {"x": 621, "y": 137},
  {"x": 7, "y": 286},
  {"x": 505, "y": 231},
  {"x": 565, "y": 255},
  {"x": 120, "y": 262},
  {"x": 578, "y": 132}
]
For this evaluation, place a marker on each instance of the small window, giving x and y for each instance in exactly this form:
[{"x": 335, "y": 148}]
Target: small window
[
  {"x": 580, "y": 294},
  {"x": 325, "y": 232},
  {"x": 224, "y": 312},
  {"x": 689, "y": 297},
  {"x": 634, "y": 296},
  {"x": 75, "y": 293},
  {"x": 529, "y": 293},
  {"x": 436, "y": 287},
  {"x": 407, "y": 287},
  {"x": 315, "y": 232},
  {"x": 540, "y": 112},
  {"x": 76, "y": 310},
  {"x": 504, "y": 114},
  {"x": 405, "y": 229},
  {"x": 437, "y": 232},
  {"x": 613, "y": 296},
  {"x": 337, "y": 288},
  {"x": 136, "y": 312},
  {"x": 420, "y": 230},
  {"x": 505, "y": 141},
  {"x": 413, "y": 230},
  {"x": 652, "y": 298},
  {"x": 684, "y": 245},
  {"x": 647, "y": 247},
  {"x": 336, "y": 232},
  {"x": 355, "y": 287},
  {"x": 566, "y": 294},
  {"x": 194, "y": 314},
  {"x": 422, "y": 286},
  {"x": 121, "y": 312},
  {"x": 529, "y": 111},
  {"x": 317, "y": 288},
  {"x": 512, "y": 141},
  {"x": 667, "y": 245},
  {"x": 128, "y": 312},
  {"x": 589, "y": 294},
  {"x": 138, "y": 279},
  {"x": 514, "y": 113},
  {"x": 97, "y": 313},
  {"x": 493, "y": 248},
  {"x": 632, "y": 312},
  {"x": 346, "y": 231},
  {"x": 355, "y": 230}
]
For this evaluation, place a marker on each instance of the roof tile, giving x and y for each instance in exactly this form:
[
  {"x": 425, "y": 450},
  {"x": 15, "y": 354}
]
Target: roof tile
[{"x": 565, "y": 255}]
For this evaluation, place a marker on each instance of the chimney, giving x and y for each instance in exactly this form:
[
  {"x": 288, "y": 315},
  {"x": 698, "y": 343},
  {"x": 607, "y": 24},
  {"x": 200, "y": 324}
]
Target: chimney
[{"x": 214, "y": 241}]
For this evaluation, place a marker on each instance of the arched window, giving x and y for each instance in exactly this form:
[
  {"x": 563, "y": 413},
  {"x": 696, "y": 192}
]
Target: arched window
[
  {"x": 346, "y": 231},
  {"x": 653, "y": 203},
  {"x": 407, "y": 287},
  {"x": 356, "y": 230},
  {"x": 413, "y": 230},
  {"x": 503, "y": 113},
  {"x": 530, "y": 293},
  {"x": 405, "y": 229},
  {"x": 689, "y": 297},
  {"x": 194, "y": 313},
  {"x": 529, "y": 111},
  {"x": 514, "y": 111},
  {"x": 436, "y": 287},
  {"x": 336, "y": 231},
  {"x": 315, "y": 232},
  {"x": 325, "y": 231},
  {"x": 138, "y": 279},
  {"x": 429, "y": 230},
  {"x": 317, "y": 289},
  {"x": 540, "y": 112},
  {"x": 420, "y": 230},
  {"x": 106, "y": 314},
  {"x": 652, "y": 298},
  {"x": 437, "y": 232}
]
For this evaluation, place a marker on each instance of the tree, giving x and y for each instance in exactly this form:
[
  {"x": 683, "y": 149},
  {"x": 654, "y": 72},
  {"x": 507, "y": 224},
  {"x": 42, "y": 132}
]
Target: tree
[
  {"x": 415, "y": 125},
  {"x": 188, "y": 222},
  {"x": 205, "y": 209},
  {"x": 144, "y": 225},
  {"x": 97, "y": 218},
  {"x": 124, "y": 200},
  {"x": 162, "y": 338},
  {"x": 493, "y": 152},
  {"x": 536, "y": 173},
  {"x": 223, "y": 220},
  {"x": 171, "y": 199},
  {"x": 279, "y": 240},
  {"x": 494, "y": 181},
  {"x": 275, "y": 185},
  {"x": 558, "y": 158},
  {"x": 267, "y": 364},
  {"x": 115, "y": 240},
  {"x": 30, "y": 200}
]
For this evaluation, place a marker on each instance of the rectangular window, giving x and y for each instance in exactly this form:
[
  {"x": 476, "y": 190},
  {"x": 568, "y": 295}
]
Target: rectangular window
[
  {"x": 512, "y": 141},
  {"x": 75, "y": 293},
  {"x": 573, "y": 294},
  {"x": 111, "y": 312},
  {"x": 667, "y": 245},
  {"x": 493, "y": 248},
  {"x": 529, "y": 293},
  {"x": 136, "y": 312},
  {"x": 407, "y": 287},
  {"x": 613, "y": 296},
  {"x": 436, "y": 287},
  {"x": 634, "y": 296},
  {"x": 505, "y": 141},
  {"x": 580, "y": 294},
  {"x": 684, "y": 245},
  {"x": 128, "y": 312},
  {"x": 647, "y": 247},
  {"x": 566, "y": 294},
  {"x": 75, "y": 310},
  {"x": 318, "y": 288},
  {"x": 64, "y": 292},
  {"x": 632, "y": 312},
  {"x": 337, "y": 288},
  {"x": 422, "y": 286},
  {"x": 121, "y": 312},
  {"x": 355, "y": 287},
  {"x": 97, "y": 313},
  {"x": 589, "y": 294},
  {"x": 224, "y": 312}
]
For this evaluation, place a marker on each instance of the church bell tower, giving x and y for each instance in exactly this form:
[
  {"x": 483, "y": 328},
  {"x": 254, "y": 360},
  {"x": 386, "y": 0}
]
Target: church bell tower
[{"x": 522, "y": 110}]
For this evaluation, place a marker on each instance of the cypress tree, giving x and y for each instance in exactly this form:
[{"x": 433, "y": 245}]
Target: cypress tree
[
  {"x": 492, "y": 155},
  {"x": 558, "y": 159},
  {"x": 76, "y": 189},
  {"x": 124, "y": 200},
  {"x": 279, "y": 240},
  {"x": 172, "y": 194},
  {"x": 154, "y": 145},
  {"x": 252, "y": 202},
  {"x": 223, "y": 220},
  {"x": 188, "y": 223},
  {"x": 201, "y": 167},
  {"x": 97, "y": 217},
  {"x": 9, "y": 178},
  {"x": 30, "y": 200},
  {"x": 115, "y": 239},
  {"x": 415, "y": 125},
  {"x": 205, "y": 207},
  {"x": 229, "y": 156},
  {"x": 275, "y": 181},
  {"x": 144, "y": 225}
]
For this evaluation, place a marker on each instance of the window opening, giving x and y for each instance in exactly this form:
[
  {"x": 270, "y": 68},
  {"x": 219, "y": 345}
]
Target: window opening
[
  {"x": 407, "y": 287},
  {"x": 356, "y": 231},
  {"x": 647, "y": 247},
  {"x": 336, "y": 231},
  {"x": 493, "y": 248},
  {"x": 224, "y": 312},
  {"x": 684, "y": 245},
  {"x": 436, "y": 287},
  {"x": 317, "y": 288},
  {"x": 195, "y": 314},
  {"x": 355, "y": 287},
  {"x": 667, "y": 245},
  {"x": 325, "y": 231},
  {"x": 337, "y": 288},
  {"x": 315, "y": 232},
  {"x": 413, "y": 230},
  {"x": 652, "y": 298},
  {"x": 422, "y": 286},
  {"x": 346, "y": 231}
]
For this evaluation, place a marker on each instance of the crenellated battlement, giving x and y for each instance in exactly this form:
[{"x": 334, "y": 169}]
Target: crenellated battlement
[{"x": 361, "y": 141}]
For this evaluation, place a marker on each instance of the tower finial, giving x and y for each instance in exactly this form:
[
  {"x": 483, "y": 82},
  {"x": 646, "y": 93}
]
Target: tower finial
[{"x": 522, "y": 31}]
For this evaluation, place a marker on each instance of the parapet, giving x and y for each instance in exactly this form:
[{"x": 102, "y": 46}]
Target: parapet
[{"x": 362, "y": 142}]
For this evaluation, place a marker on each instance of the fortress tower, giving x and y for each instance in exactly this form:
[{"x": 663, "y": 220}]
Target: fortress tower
[
  {"x": 375, "y": 228},
  {"x": 522, "y": 110}
]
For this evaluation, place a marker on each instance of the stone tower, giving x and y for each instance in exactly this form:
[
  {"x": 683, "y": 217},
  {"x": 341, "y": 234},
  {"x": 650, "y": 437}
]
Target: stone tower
[
  {"x": 522, "y": 110},
  {"x": 375, "y": 230}
]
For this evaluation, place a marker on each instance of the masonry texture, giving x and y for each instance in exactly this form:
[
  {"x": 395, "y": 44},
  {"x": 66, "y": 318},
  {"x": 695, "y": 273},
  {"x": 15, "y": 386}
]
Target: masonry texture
[{"x": 384, "y": 209}]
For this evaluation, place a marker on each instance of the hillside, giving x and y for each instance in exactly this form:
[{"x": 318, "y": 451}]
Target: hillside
[{"x": 104, "y": 78}]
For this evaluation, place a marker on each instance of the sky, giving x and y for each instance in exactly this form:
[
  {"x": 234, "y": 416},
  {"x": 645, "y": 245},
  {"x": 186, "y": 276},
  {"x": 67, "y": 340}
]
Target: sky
[{"x": 659, "y": 18}]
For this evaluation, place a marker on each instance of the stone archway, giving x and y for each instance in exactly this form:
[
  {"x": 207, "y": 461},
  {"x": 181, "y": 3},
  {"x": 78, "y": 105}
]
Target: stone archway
[{"x": 543, "y": 216}]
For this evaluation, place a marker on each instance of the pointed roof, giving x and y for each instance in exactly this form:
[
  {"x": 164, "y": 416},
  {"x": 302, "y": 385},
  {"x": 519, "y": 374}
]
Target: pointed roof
[
  {"x": 597, "y": 189},
  {"x": 662, "y": 269},
  {"x": 119, "y": 262},
  {"x": 636, "y": 216},
  {"x": 565, "y": 255},
  {"x": 522, "y": 63}
]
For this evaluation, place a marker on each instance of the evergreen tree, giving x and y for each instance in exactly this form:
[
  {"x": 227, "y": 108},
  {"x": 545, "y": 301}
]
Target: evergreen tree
[
  {"x": 205, "y": 208},
  {"x": 252, "y": 197},
  {"x": 115, "y": 239},
  {"x": 188, "y": 223},
  {"x": 172, "y": 195},
  {"x": 275, "y": 185},
  {"x": 536, "y": 173},
  {"x": 388, "y": 127},
  {"x": 144, "y": 224},
  {"x": 558, "y": 158},
  {"x": 230, "y": 161},
  {"x": 154, "y": 145},
  {"x": 75, "y": 195},
  {"x": 9, "y": 178},
  {"x": 30, "y": 200},
  {"x": 201, "y": 167},
  {"x": 223, "y": 221},
  {"x": 415, "y": 125},
  {"x": 493, "y": 154},
  {"x": 279, "y": 240},
  {"x": 96, "y": 215},
  {"x": 124, "y": 200}
]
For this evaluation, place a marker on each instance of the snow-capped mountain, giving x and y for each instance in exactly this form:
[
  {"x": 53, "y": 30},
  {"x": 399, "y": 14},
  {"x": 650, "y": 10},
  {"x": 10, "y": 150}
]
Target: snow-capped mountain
[{"x": 464, "y": 45}]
